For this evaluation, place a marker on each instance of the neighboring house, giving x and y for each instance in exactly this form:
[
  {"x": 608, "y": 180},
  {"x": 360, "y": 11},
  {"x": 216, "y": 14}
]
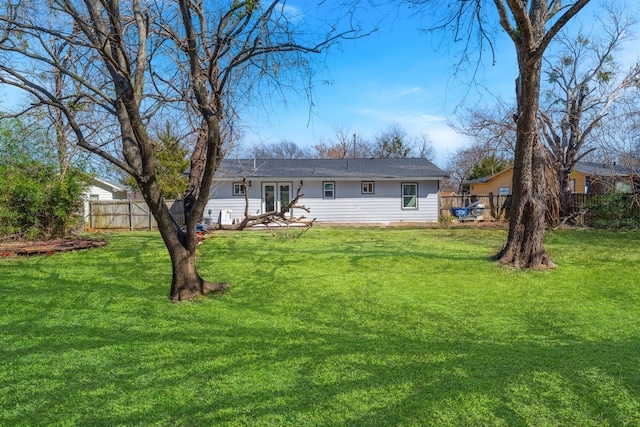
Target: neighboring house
[
  {"x": 336, "y": 190},
  {"x": 586, "y": 178},
  {"x": 100, "y": 190}
]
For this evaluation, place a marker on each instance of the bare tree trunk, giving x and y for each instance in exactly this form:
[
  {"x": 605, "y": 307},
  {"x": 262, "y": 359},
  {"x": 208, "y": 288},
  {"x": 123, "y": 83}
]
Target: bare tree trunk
[
  {"x": 524, "y": 247},
  {"x": 186, "y": 282}
]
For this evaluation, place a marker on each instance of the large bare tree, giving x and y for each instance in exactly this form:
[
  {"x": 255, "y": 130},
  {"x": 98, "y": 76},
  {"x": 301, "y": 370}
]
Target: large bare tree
[
  {"x": 531, "y": 25},
  {"x": 135, "y": 63}
]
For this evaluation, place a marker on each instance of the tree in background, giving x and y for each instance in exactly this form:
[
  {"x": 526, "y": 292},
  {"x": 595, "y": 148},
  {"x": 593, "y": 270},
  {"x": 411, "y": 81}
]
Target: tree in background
[
  {"x": 280, "y": 150},
  {"x": 346, "y": 144},
  {"x": 476, "y": 161},
  {"x": 172, "y": 165},
  {"x": 394, "y": 142},
  {"x": 391, "y": 143},
  {"x": 492, "y": 128},
  {"x": 488, "y": 166},
  {"x": 493, "y": 135},
  {"x": 620, "y": 137},
  {"x": 423, "y": 147}
]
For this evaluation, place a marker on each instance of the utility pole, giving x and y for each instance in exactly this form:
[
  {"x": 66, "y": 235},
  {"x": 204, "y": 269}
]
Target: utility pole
[{"x": 354, "y": 146}]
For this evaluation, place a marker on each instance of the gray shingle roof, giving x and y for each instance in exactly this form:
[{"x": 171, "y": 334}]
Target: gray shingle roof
[
  {"x": 601, "y": 169},
  {"x": 329, "y": 168},
  {"x": 587, "y": 168}
]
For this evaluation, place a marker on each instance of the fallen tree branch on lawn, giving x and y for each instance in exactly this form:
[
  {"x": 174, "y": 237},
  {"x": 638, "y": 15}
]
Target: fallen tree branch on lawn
[{"x": 281, "y": 218}]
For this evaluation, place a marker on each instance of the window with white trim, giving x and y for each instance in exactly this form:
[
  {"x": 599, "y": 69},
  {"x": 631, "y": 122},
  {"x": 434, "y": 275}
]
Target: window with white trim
[
  {"x": 238, "y": 189},
  {"x": 409, "y": 195},
  {"x": 368, "y": 187},
  {"x": 328, "y": 190}
]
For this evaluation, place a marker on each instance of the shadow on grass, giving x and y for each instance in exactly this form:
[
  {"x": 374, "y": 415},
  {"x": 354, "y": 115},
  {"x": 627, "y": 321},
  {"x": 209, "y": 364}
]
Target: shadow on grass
[
  {"x": 188, "y": 371},
  {"x": 102, "y": 345}
]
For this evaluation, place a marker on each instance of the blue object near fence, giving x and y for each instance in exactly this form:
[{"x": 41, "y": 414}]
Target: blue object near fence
[{"x": 460, "y": 212}]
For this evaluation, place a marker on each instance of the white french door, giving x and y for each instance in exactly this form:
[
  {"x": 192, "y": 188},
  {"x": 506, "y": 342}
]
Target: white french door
[{"x": 275, "y": 196}]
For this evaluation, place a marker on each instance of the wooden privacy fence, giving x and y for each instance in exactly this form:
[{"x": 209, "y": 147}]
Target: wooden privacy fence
[
  {"x": 497, "y": 206},
  {"x": 127, "y": 214},
  {"x": 136, "y": 215}
]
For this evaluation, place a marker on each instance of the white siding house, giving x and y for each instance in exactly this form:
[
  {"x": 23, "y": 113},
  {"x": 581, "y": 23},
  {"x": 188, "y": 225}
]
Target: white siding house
[
  {"x": 100, "y": 190},
  {"x": 344, "y": 190}
]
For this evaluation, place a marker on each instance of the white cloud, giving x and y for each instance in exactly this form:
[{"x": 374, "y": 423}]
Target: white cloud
[
  {"x": 293, "y": 13},
  {"x": 409, "y": 91},
  {"x": 431, "y": 118}
]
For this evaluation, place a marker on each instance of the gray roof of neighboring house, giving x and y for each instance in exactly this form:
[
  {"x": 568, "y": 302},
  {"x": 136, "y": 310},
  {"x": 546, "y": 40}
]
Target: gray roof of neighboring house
[
  {"x": 587, "y": 168},
  {"x": 329, "y": 168},
  {"x": 484, "y": 178},
  {"x": 116, "y": 188},
  {"x": 602, "y": 169}
]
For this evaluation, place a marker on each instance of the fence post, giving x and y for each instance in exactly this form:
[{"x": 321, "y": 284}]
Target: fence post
[{"x": 130, "y": 215}]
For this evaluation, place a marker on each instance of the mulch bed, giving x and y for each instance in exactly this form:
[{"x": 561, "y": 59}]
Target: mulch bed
[{"x": 49, "y": 247}]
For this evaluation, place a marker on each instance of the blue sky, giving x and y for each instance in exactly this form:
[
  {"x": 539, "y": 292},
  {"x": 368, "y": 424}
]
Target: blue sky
[{"x": 396, "y": 75}]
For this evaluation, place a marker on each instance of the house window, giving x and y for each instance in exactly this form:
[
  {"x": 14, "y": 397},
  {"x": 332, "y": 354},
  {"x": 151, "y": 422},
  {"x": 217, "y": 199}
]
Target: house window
[
  {"x": 587, "y": 185},
  {"x": 409, "y": 195},
  {"x": 94, "y": 197},
  {"x": 368, "y": 187},
  {"x": 328, "y": 191},
  {"x": 623, "y": 186},
  {"x": 572, "y": 185},
  {"x": 503, "y": 191},
  {"x": 238, "y": 189}
]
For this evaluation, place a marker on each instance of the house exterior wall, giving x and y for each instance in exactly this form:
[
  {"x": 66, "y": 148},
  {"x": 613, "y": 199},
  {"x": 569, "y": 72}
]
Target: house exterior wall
[
  {"x": 348, "y": 205},
  {"x": 501, "y": 180},
  {"x": 103, "y": 193},
  {"x": 579, "y": 182}
]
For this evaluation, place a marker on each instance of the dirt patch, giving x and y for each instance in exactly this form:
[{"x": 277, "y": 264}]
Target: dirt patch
[{"x": 49, "y": 247}]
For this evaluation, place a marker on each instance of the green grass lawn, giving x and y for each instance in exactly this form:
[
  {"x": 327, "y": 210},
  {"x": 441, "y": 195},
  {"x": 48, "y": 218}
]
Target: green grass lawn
[{"x": 344, "y": 326}]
